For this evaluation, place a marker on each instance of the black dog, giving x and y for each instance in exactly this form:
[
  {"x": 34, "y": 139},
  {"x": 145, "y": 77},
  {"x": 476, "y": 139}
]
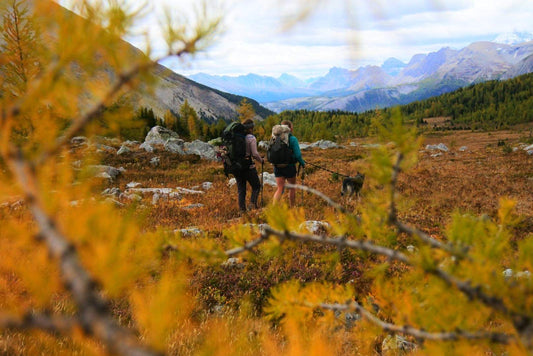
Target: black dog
[{"x": 352, "y": 185}]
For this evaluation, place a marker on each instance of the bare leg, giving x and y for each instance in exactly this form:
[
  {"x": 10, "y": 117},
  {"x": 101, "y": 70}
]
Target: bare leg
[
  {"x": 280, "y": 182},
  {"x": 292, "y": 192}
]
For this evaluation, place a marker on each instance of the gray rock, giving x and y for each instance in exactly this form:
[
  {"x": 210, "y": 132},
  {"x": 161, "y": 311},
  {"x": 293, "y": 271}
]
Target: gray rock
[
  {"x": 325, "y": 144},
  {"x": 193, "y": 206},
  {"x": 232, "y": 182},
  {"x": 202, "y": 149},
  {"x": 104, "y": 171},
  {"x": 159, "y": 135},
  {"x": 315, "y": 227},
  {"x": 207, "y": 185},
  {"x": 189, "y": 232},
  {"x": 440, "y": 147},
  {"x": 269, "y": 179},
  {"x": 79, "y": 140},
  {"x": 155, "y": 161},
  {"x": 123, "y": 150},
  {"x": 105, "y": 148},
  {"x": 112, "y": 192},
  {"x": 133, "y": 185},
  {"x": 263, "y": 145},
  {"x": 147, "y": 147},
  {"x": 189, "y": 191},
  {"x": 175, "y": 145},
  {"x": 394, "y": 343},
  {"x": 463, "y": 149}
]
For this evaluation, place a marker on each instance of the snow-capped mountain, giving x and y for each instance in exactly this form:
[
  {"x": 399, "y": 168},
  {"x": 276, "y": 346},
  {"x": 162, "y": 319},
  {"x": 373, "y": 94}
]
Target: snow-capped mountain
[
  {"x": 393, "y": 83},
  {"x": 515, "y": 37}
]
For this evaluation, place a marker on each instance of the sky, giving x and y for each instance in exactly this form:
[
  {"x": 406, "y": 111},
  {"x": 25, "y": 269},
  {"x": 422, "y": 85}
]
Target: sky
[{"x": 338, "y": 33}]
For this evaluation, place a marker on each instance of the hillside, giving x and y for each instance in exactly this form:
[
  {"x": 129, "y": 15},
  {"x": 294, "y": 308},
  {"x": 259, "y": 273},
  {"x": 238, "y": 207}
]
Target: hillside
[
  {"x": 169, "y": 89},
  {"x": 491, "y": 105}
]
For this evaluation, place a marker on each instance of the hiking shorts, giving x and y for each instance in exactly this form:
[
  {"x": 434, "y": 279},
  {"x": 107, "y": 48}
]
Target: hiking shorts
[{"x": 288, "y": 171}]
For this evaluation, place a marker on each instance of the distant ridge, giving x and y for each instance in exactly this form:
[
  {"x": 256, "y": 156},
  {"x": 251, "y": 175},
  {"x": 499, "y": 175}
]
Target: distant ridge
[{"x": 392, "y": 83}]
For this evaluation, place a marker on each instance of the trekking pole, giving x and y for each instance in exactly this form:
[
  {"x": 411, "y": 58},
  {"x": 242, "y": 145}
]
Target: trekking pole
[
  {"x": 262, "y": 182},
  {"x": 303, "y": 178}
]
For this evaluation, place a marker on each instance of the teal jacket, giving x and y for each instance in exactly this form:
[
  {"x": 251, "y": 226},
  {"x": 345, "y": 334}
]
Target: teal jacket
[{"x": 294, "y": 145}]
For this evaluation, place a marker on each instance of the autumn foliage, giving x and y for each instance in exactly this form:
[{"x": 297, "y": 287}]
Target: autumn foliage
[{"x": 433, "y": 258}]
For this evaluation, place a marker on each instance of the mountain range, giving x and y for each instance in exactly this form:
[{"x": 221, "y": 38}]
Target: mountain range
[{"x": 392, "y": 83}]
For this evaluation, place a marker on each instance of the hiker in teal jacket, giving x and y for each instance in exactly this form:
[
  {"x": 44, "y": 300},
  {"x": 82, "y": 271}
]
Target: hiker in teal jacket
[{"x": 288, "y": 172}]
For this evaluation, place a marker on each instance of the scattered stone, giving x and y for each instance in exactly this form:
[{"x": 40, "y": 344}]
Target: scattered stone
[
  {"x": 394, "y": 343},
  {"x": 147, "y": 147},
  {"x": 131, "y": 196},
  {"x": 105, "y": 171},
  {"x": 133, "y": 185},
  {"x": 155, "y": 161},
  {"x": 263, "y": 145},
  {"x": 269, "y": 179},
  {"x": 123, "y": 150},
  {"x": 233, "y": 262},
  {"x": 112, "y": 192},
  {"x": 411, "y": 249},
  {"x": 316, "y": 227},
  {"x": 232, "y": 182},
  {"x": 207, "y": 185},
  {"x": 440, "y": 147},
  {"x": 372, "y": 145},
  {"x": 436, "y": 154},
  {"x": 193, "y": 206},
  {"x": 115, "y": 202},
  {"x": 463, "y": 149},
  {"x": 189, "y": 191},
  {"x": 79, "y": 140},
  {"x": 189, "y": 232}
]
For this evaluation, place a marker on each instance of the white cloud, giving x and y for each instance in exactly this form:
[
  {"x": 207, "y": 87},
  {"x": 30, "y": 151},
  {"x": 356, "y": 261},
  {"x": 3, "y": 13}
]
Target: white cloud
[{"x": 252, "y": 41}]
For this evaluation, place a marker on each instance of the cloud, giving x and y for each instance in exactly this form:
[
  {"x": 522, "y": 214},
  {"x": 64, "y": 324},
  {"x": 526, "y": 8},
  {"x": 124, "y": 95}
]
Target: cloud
[{"x": 254, "y": 43}]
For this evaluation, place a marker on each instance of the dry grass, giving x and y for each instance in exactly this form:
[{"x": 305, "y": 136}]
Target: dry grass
[{"x": 470, "y": 181}]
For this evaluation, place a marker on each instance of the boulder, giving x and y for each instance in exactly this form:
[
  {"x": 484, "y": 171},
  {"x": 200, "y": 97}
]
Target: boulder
[
  {"x": 159, "y": 135},
  {"x": 440, "y": 147},
  {"x": 269, "y": 179},
  {"x": 175, "y": 145},
  {"x": 202, "y": 149},
  {"x": 325, "y": 144},
  {"x": 147, "y": 147},
  {"x": 104, "y": 171}
]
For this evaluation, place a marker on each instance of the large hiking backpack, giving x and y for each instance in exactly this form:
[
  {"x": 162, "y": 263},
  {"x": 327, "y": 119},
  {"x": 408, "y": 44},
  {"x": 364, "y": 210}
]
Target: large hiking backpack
[
  {"x": 234, "y": 149},
  {"x": 279, "y": 153}
]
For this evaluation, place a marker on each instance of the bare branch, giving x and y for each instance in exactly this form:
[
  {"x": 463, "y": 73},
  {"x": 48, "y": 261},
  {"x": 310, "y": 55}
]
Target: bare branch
[
  {"x": 393, "y": 216},
  {"x": 48, "y": 323},
  {"x": 418, "y": 333},
  {"x": 247, "y": 247},
  {"x": 93, "y": 314},
  {"x": 319, "y": 194},
  {"x": 472, "y": 292}
]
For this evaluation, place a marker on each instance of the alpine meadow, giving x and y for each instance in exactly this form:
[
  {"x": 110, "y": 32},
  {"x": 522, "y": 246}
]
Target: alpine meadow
[{"x": 109, "y": 245}]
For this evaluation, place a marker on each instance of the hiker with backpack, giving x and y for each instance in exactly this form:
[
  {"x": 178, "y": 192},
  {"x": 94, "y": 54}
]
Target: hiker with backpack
[
  {"x": 249, "y": 173},
  {"x": 284, "y": 152}
]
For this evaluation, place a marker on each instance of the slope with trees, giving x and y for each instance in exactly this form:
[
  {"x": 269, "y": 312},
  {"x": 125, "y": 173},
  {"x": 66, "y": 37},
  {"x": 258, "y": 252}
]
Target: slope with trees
[{"x": 92, "y": 277}]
